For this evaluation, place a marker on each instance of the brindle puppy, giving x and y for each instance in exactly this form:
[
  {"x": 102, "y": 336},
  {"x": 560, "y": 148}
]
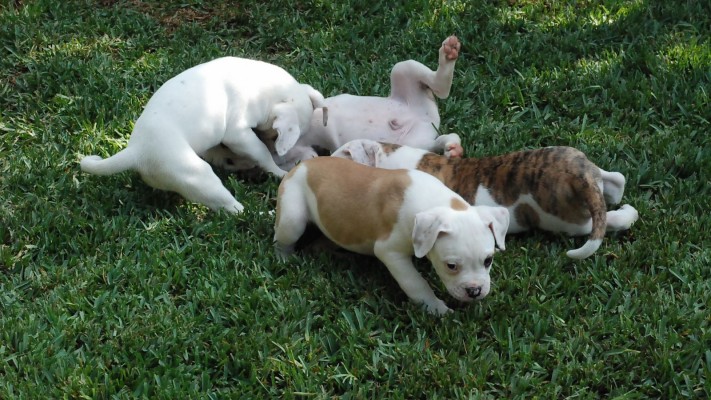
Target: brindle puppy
[{"x": 554, "y": 188}]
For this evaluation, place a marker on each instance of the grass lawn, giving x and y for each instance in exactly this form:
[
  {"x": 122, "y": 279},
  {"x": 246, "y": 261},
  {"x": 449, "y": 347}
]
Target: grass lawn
[{"x": 109, "y": 288}]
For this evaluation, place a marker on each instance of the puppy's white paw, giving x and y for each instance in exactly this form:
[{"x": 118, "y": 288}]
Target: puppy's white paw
[
  {"x": 236, "y": 207},
  {"x": 438, "y": 308},
  {"x": 88, "y": 162},
  {"x": 632, "y": 214},
  {"x": 622, "y": 218},
  {"x": 279, "y": 173},
  {"x": 283, "y": 252}
]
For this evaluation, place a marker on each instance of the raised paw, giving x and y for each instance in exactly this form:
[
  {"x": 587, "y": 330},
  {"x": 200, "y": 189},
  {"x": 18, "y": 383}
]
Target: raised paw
[
  {"x": 453, "y": 150},
  {"x": 450, "y": 48}
]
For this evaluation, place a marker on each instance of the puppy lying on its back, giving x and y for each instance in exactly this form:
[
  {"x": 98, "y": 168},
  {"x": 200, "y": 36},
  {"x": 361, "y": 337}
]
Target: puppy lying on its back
[
  {"x": 409, "y": 115},
  {"x": 554, "y": 188}
]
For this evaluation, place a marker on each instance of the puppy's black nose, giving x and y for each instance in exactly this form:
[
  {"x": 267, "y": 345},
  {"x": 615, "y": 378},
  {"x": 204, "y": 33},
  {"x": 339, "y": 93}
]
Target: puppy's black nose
[{"x": 473, "y": 292}]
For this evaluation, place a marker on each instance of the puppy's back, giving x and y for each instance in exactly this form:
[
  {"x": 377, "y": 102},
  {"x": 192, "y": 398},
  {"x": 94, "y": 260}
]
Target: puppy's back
[{"x": 355, "y": 204}]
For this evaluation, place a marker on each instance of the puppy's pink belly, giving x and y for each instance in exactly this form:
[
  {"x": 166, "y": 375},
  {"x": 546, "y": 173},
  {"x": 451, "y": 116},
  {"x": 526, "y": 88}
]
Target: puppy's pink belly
[
  {"x": 410, "y": 131},
  {"x": 376, "y": 118}
]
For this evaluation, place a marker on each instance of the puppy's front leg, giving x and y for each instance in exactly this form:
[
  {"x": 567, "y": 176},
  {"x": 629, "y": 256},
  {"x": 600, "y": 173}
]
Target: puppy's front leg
[
  {"x": 450, "y": 145},
  {"x": 245, "y": 143},
  {"x": 410, "y": 281}
]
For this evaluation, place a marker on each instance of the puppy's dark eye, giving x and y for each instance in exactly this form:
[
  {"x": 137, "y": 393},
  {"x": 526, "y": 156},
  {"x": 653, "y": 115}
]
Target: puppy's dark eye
[
  {"x": 488, "y": 261},
  {"x": 452, "y": 266}
]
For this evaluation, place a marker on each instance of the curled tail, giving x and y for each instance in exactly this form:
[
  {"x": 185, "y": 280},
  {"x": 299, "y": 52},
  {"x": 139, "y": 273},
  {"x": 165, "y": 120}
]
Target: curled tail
[
  {"x": 119, "y": 162},
  {"x": 598, "y": 214}
]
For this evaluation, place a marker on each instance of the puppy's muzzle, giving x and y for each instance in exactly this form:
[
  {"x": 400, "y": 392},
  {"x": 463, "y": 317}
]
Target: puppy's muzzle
[{"x": 473, "y": 291}]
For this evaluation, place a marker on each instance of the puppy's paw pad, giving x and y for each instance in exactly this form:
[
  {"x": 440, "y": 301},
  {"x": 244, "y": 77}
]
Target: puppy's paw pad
[
  {"x": 451, "y": 47},
  {"x": 454, "y": 150}
]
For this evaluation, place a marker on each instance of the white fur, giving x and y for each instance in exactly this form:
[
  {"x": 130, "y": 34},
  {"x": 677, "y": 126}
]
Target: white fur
[
  {"x": 370, "y": 152},
  {"x": 426, "y": 226},
  {"x": 218, "y": 102},
  {"x": 549, "y": 222}
]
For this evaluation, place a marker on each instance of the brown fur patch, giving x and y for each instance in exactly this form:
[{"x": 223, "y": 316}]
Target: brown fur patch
[
  {"x": 439, "y": 166},
  {"x": 458, "y": 204},
  {"x": 560, "y": 179},
  {"x": 526, "y": 216},
  {"x": 357, "y": 204},
  {"x": 389, "y": 148}
]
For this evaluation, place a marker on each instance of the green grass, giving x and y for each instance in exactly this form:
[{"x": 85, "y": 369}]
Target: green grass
[{"x": 111, "y": 289}]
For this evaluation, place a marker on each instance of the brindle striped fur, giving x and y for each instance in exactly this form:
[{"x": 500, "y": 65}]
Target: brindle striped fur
[{"x": 560, "y": 180}]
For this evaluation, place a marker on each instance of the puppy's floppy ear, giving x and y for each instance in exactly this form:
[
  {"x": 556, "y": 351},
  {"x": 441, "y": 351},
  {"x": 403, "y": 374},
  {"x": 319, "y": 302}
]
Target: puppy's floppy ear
[
  {"x": 497, "y": 219},
  {"x": 317, "y": 101},
  {"x": 286, "y": 123},
  {"x": 362, "y": 151},
  {"x": 353, "y": 151},
  {"x": 428, "y": 226}
]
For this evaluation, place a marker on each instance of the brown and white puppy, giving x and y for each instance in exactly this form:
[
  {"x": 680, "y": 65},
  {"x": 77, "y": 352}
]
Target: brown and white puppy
[
  {"x": 554, "y": 188},
  {"x": 394, "y": 215}
]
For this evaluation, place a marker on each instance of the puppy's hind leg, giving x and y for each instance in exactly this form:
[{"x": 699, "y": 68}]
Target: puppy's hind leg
[
  {"x": 621, "y": 219},
  {"x": 407, "y": 78},
  {"x": 613, "y": 186},
  {"x": 194, "y": 179},
  {"x": 291, "y": 217}
]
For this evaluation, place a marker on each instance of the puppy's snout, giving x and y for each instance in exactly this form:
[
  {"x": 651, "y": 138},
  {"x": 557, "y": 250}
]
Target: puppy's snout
[{"x": 473, "y": 291}]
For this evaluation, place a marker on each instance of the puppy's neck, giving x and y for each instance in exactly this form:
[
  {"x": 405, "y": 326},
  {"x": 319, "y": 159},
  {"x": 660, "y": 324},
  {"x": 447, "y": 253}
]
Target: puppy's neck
[{"x": 463, "y": 175}]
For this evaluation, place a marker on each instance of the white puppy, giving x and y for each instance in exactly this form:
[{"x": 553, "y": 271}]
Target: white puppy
[
  {"x": 214, "y": 104},
  {"x": 408, "y": 116},
  {"x": 394, "y": 215},
  {"x": 553, "y": 188}
]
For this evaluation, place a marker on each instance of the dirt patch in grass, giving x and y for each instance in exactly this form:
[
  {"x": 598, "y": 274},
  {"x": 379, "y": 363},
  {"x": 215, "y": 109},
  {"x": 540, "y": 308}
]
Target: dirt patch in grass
[{"x": 172, "y": 16}]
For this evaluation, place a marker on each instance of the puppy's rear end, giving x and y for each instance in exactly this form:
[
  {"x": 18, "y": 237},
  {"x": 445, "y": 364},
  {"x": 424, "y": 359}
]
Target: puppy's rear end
[
  {"x": 586, "y": 185},
  {"x": 565, "y": 188}
]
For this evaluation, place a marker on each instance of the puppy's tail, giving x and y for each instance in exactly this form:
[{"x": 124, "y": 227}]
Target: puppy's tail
[
  {"x": 119, "y": 162},
  {"x": 598, "y": 214}
]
